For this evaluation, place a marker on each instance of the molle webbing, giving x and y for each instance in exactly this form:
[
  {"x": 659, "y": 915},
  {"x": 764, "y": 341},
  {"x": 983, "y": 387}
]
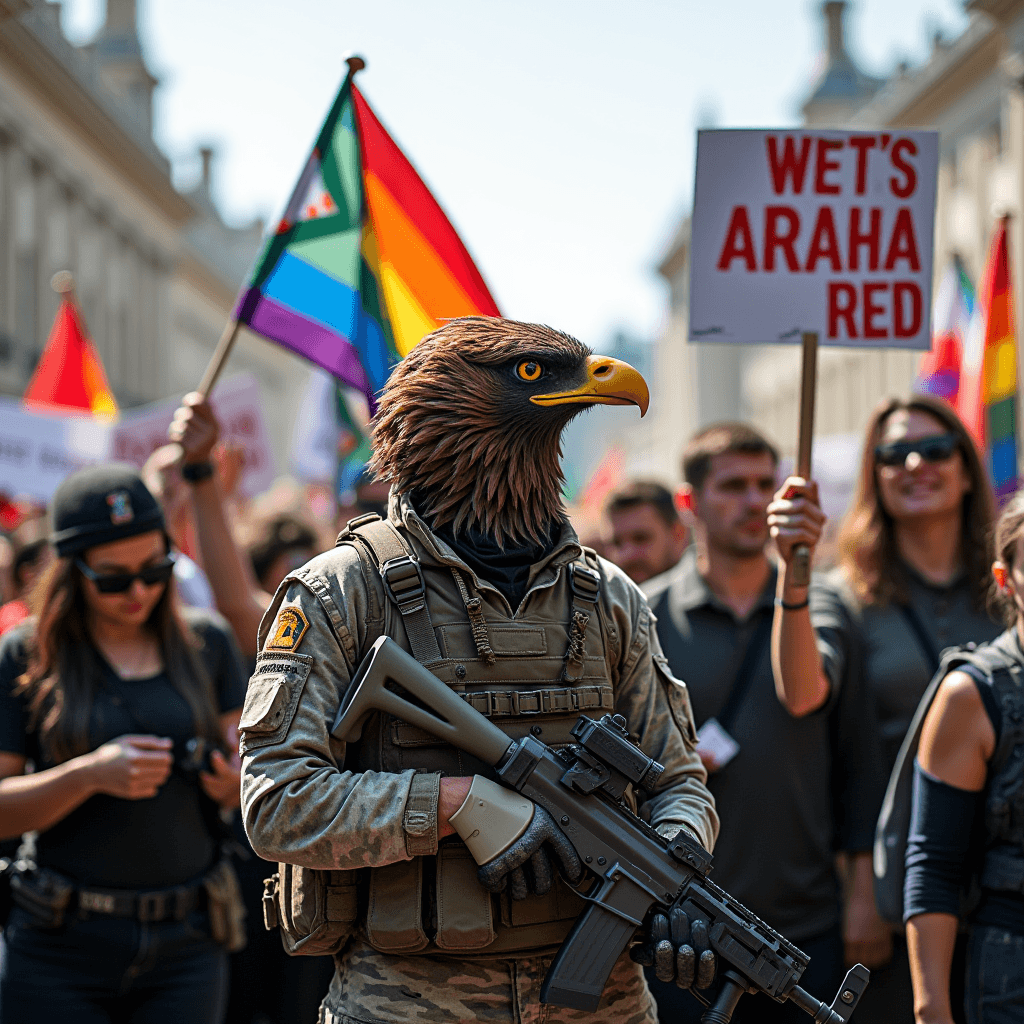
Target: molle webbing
[
  {"x": 585, "y": 585},
  {"x": 571, "y": 699}
]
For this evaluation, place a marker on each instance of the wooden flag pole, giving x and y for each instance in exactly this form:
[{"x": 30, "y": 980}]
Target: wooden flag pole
[
  {"x": 800, "y": 568},
  {"x": 219, "y": 357}
]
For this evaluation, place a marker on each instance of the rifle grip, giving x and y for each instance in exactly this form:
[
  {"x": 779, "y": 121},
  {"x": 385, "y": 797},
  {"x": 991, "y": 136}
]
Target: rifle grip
[{"x": 580, "y": 969}]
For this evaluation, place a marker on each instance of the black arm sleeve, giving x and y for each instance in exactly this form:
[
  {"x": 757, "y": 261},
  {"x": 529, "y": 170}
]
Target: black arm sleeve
[
  {"x": 221, "y": 658},
  {"x": 942, "y": 819},
  {"x": 13, "y": 712}
]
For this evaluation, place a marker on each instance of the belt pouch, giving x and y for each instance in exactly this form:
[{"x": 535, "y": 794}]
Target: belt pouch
[
  {"x": 42, "y": 893},
  {"x": 226, "y": 908},
  {"x": 465, "y": 918},
  {"x": 394, "y": 918}
]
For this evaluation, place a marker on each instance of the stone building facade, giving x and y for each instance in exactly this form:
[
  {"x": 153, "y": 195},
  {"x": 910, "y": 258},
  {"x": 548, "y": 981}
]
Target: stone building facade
[
  {"x": 971, "y": 89},
  {"x": 84, "y": 187}
]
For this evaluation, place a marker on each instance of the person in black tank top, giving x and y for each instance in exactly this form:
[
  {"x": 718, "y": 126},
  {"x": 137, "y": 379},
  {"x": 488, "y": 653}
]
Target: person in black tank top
[
  {"x": 126, "y": 714},
  {"x": 965, "y": 849}
]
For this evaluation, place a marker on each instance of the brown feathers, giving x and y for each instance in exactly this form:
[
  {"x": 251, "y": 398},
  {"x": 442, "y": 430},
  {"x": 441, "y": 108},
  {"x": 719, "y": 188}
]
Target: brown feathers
[{"x": 457, "y": 430}]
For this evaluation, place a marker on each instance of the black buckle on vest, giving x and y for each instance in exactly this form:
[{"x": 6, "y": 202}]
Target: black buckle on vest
[
  {"x": 404, "y": 583},
  {"x": 585, "y": 583}
]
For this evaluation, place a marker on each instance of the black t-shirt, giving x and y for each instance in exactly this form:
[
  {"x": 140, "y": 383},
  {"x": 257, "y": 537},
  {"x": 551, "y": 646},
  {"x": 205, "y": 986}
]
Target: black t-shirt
[
  {"x": 783, "y": 803},
  {"x": 130, "y": 844}
]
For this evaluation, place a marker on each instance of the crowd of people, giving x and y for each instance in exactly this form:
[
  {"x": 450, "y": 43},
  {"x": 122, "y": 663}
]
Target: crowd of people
[{"x": 132, "y": 620}]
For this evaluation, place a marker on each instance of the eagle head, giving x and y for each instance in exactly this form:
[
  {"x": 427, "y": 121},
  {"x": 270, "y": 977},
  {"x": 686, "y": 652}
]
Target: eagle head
[{"x": 470, "y": 422}]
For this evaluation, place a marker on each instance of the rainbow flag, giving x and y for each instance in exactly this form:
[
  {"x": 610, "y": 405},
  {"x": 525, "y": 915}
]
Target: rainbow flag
[
  {"x": 939, "y": 371},
  {"x": 70, "y": 376},
  {"x": 364, "y": 262},
  {"x": 987, "y": 398}
]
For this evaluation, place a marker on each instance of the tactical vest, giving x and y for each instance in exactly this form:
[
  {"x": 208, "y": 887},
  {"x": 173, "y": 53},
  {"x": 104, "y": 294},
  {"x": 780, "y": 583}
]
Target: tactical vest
[
  {"x": 531, "y": 673},
  {"x": 1003, "y": 865}
]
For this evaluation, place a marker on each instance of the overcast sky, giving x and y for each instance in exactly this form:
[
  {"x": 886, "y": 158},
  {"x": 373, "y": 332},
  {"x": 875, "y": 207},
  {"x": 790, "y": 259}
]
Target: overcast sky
[{"x": 557, "y": 134}]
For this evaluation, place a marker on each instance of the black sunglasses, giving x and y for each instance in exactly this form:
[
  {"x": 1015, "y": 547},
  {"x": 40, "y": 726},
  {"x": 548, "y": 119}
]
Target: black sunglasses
[
  {"x": 936, "y": 448},
  {"x": 119, "y": 582}
]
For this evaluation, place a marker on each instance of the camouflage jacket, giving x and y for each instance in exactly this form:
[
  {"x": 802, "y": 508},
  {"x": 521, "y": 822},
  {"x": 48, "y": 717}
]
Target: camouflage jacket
[{"x": 300, "y": 804}]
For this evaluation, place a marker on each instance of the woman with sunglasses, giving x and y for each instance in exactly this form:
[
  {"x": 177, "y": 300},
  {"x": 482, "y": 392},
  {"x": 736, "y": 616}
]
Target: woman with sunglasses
[
  {"x": 117, "y": 703},
  {"x": 968, "y": 817},
  {"x": 911, "y": 581}
]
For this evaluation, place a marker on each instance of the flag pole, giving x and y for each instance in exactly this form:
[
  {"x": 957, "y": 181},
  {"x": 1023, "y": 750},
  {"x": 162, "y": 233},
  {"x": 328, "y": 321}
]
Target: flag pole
[
  {"x": 230, "y": 334},
  {"x": 800, "y": 568}
]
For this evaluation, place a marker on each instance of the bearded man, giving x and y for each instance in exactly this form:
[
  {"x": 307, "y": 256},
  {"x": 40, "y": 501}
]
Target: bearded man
[{"x": 478, "y": 574}]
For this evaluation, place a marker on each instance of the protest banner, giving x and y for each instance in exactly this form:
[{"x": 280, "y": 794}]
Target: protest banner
[
  {"x": 817, "y": 237},
  {"x": 37, "y": 450},
  {"x": 239, "y": 410}
]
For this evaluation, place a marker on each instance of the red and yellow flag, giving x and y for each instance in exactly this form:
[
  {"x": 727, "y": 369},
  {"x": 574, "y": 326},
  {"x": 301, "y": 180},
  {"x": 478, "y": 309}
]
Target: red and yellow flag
[{"x": 70, "y": 376}]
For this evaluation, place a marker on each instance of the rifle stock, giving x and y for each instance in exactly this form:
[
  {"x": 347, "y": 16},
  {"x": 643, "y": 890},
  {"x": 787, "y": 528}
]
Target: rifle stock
[{"x": 636, "y": 868}]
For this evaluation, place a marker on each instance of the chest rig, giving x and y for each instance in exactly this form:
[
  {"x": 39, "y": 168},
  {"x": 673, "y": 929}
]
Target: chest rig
[
  {"x": 1003, "y": 864},
  {"x": 533, "y": 673}
]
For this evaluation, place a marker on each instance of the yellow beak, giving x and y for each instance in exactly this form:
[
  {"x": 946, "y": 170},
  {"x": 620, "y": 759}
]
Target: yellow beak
[{"x": 609, "y": 382}]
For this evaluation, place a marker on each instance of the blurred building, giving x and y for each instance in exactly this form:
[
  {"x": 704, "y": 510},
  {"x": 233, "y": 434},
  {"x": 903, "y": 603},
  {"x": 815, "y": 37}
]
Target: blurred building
[
  {"x": 84, "y": 187},
  {"x": 971, "y": 89}
]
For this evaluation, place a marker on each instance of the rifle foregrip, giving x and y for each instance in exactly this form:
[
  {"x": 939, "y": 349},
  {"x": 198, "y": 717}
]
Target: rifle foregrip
[{"x": 581, "y": 966}]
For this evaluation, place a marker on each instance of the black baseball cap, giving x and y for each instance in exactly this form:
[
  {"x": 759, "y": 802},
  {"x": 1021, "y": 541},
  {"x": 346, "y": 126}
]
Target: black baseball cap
[{"x": 102, "y": 504}]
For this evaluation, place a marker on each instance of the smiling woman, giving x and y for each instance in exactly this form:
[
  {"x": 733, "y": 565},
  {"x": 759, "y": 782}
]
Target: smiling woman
[
  {"x": 912, "y": 580},
  {"x": 127, "y": 714}
]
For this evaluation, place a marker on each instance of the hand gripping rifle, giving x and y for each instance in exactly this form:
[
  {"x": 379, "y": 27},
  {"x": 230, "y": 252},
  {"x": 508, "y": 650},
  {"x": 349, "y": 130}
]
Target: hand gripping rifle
[{"x": 581, "y": 787}]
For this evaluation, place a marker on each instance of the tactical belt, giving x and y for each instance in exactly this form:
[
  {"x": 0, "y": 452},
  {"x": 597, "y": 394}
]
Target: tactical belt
[
  {"x": 159, "y": 905},
  {"x": 509, "y": 703}
]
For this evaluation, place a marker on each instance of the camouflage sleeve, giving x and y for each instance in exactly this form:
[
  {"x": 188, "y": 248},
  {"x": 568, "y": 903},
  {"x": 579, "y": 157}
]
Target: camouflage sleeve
[
  {"x": 657, "y": 707},
  {"x": 299, "y": 803}
]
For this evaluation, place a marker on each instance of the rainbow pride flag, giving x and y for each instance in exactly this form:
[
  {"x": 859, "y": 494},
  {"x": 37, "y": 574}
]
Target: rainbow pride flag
[
  {"x": 987, "y": 398},
  {"x": 364, "y": 262},
  {"x": 939, "y": 371}
]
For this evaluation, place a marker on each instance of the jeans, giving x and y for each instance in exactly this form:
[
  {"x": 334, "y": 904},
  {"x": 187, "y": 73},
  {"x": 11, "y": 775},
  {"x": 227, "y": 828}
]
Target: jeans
[
  {"x": 995, "y": 976},
  {"x": 112, "y": 970},
  {"x": 822, "y": 978}
]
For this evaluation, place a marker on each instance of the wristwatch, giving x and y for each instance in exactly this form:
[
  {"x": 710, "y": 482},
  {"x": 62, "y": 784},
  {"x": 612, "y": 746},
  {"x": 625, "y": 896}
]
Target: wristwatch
[{"x": 194, "y": 472}]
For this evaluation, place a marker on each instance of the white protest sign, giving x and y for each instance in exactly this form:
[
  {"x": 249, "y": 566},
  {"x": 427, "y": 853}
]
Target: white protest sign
[
  {"x": 238, "y": 405},
  {"x": 37, "y": 451},
  {"x": 813, "y": 231}
]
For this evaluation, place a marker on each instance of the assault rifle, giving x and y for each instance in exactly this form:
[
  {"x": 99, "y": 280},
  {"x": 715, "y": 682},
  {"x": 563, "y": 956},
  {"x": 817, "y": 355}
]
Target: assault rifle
[{"x": 636, "y": 869}]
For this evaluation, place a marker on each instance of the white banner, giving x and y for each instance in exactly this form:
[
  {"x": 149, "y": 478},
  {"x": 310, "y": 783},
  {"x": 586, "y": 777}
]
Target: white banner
[
  {"x": 37, "y": 451},
  {"x": 826, "y": 231},
  {"x": 238, "y": 405}
]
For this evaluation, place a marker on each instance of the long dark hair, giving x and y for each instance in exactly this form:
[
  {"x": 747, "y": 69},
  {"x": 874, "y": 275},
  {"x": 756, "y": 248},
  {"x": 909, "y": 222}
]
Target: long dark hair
[
  {"x": 868, "y": 555},
  {"x": 65, "y": 670},
  {"x": 1007, "y": 534}
]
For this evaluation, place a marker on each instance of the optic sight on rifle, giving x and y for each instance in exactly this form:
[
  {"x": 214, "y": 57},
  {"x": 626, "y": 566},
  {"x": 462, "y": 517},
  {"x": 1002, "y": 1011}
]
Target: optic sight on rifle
[{"x": 632, "y": 868}]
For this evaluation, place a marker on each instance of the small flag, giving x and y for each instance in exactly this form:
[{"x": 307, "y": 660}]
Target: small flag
[
  {"x": 939, "y": 372},
  {"x": 987, "y": 397},
  {"x": 364, "y": 262},
  {"x": 70, "y": 376}
]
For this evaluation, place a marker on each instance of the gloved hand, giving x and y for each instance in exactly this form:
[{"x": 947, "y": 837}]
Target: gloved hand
[
  {"x": 529, "y": 847},
  {"x": 678, "y": 949}
]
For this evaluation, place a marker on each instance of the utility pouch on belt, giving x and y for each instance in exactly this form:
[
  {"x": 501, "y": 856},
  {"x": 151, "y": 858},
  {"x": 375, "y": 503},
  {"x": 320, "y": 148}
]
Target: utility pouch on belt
[
  {"x": 465, "y": 919},
  {"x": 316, "y": 910},
  {"x": 394, "y": 917},
  {"x": 43, "y": 894},
  {"x": 225, "y": 905}
]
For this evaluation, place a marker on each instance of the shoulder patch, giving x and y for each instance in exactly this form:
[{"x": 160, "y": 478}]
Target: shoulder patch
[{"x": 289, "y": 629}]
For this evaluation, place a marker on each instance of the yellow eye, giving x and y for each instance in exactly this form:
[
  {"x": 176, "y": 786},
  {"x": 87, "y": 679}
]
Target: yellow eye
[{"x": 529, "y": 370}]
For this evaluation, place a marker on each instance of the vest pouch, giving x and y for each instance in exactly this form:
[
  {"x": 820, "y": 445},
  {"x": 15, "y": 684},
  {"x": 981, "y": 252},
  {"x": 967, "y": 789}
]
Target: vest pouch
[
  {"x": 560, "y": 904},
  {"x": 316, "y": 910},
  {"x": 394, "y": 918},
  {"x": 465, "y": 915}
]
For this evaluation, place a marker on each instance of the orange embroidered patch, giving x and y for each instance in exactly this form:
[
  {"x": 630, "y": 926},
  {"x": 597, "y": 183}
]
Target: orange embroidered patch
[{"x": 289, "y": 629}]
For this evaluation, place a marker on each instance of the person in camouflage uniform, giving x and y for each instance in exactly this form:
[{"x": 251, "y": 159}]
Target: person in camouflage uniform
[{"x": 532, "y": 631}]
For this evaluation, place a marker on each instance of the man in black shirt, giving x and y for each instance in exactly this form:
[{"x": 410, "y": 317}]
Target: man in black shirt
[{"x": 775, "y": 779}]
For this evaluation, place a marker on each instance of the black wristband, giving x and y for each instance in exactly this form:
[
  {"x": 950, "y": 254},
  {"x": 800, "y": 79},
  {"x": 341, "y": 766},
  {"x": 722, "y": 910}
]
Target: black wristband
[
  {"x": 779, "y": 603},
  {"x": 194, "y": 472}
]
